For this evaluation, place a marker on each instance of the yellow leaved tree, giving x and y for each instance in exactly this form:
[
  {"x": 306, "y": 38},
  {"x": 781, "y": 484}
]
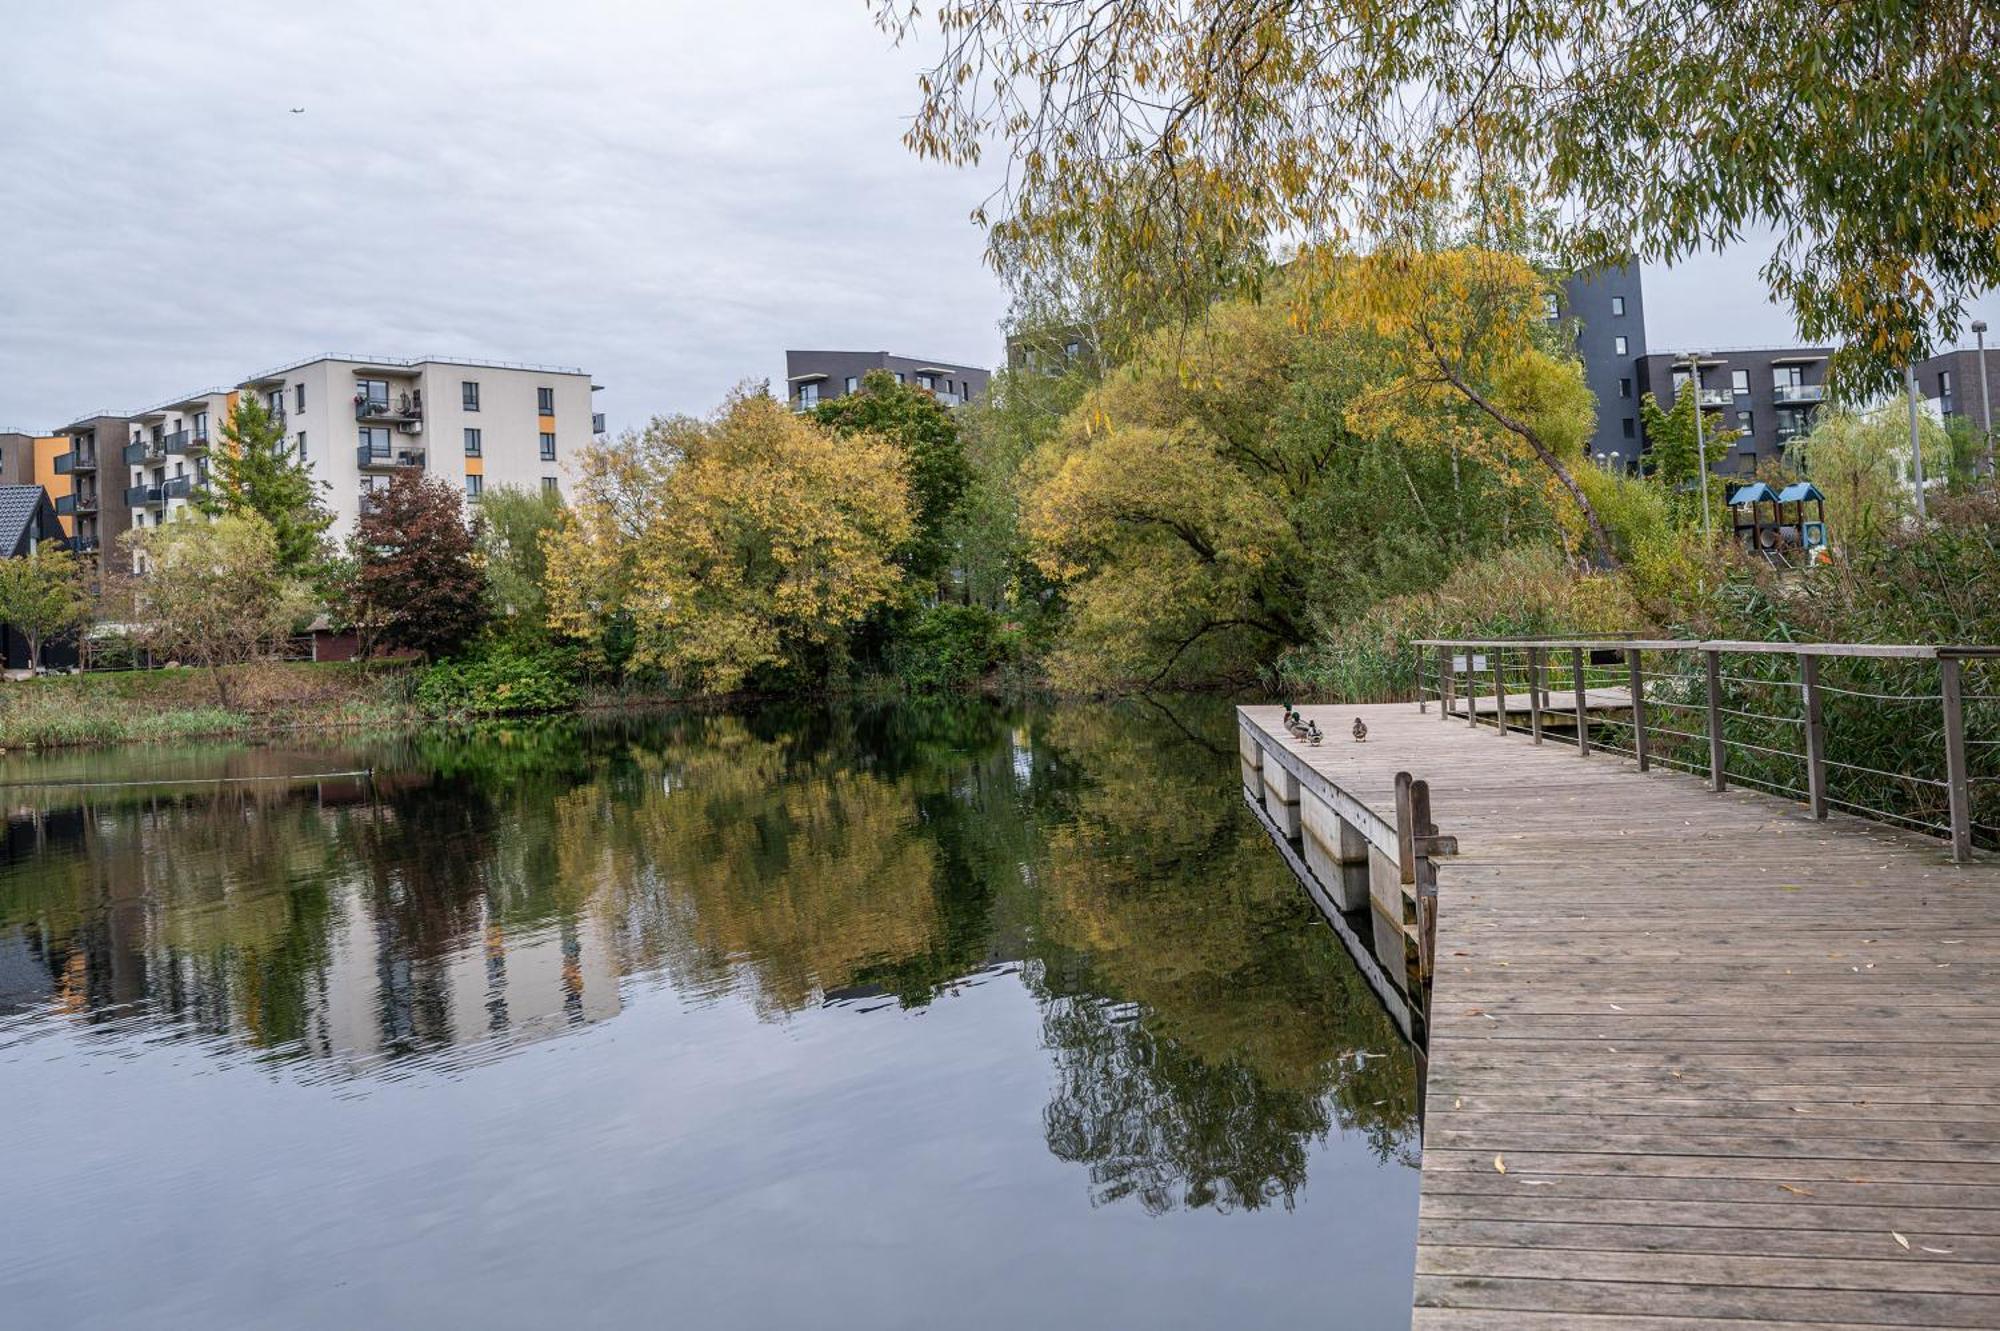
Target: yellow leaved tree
[
  {"x": 1473, "y": 355},
  {"x": 748, "y": 542}
]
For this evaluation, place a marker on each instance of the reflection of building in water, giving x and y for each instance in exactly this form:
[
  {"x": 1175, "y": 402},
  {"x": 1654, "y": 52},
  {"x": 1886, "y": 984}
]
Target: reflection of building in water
[{"x": 374, "y": 1001}]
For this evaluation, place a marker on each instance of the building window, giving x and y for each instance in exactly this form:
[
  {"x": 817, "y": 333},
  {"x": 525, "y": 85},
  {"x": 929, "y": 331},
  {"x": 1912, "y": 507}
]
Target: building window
[
  {"x": 1788, "y": 376},
  {"x": 472, "y": 444},
  {"x": 302, "y": 445},
  {"x": 468, "y": 395},
  {"x": 1550, "y": 306},
  {"x": 473, "y": 483},
  {"x": 1749, "y": 422},
  {"x": 808, "y": 396},
  {"x": 201, "y": 425},
  {"x": 299, "y": 391},
  {"x": 548, "y": 447},
  {"x": 899, "y": 376},
  {"x": 1618, "y": 346},
  {"x": 375, "y": 438},
  {"x": 1629, "y": 428},
  {"x": 375, "y": 391},
  {"x": 545, "y": 401},
  {"x": 549, "y": 485},
  {"x": 853, "y": 383},
  {"x": 1739, "y": 382},
  {"x": 1625, "y": 388},
  {"x": 1618, "y": 305}
]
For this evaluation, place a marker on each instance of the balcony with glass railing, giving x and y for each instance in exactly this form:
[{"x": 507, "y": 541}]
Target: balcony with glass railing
[
  {"x": 141, "y": 452},
  {"x": 388, "y": 459},
  {"x": 1795, "y": 394},
  {"x": 143, "y": 496},
  {"x": 395, "y": 407}
]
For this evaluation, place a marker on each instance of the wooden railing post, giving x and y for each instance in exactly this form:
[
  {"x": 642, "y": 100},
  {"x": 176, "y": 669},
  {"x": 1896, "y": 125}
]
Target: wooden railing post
[
  {"x": 1582, "y": 712},
  {"x": 1444, "y": 682},
  {"x": 1956, "y": 783},
  {"x": 1499, "y": 689},
  {"x": 1712, "y": 662},
  {"x": 1423, "y": 695},
  {"x": 1638, "y": 707},
  {"x": 1535, "y": 693},
  {"x": 1815, "y": 735},
  {"x": 1471, "y": 688}
]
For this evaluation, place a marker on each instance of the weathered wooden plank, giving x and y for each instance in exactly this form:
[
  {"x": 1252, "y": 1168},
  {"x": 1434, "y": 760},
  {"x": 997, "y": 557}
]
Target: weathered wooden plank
[{"x": 1723, "y": 1050}]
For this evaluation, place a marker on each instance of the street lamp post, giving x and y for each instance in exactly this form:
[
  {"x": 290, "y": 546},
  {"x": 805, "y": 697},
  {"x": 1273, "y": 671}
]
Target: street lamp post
[
  {"x": 1916, "y": 444},
  {"x": 1985, "y": 398},
  {"x": 1700, "y": 445}
]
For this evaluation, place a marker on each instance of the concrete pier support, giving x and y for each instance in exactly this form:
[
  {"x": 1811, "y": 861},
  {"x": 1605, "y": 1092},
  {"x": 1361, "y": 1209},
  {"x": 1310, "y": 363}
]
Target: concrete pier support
[
  {"x": 1281, "y": 799},
  {"x": 1333, "y": 849},
  {"x": 1252, "y": 755}
]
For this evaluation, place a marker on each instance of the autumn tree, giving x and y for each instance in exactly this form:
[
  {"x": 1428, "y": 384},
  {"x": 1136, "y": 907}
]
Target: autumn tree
[
  {"x": 1860, "y": 460},
  {"x": 751, "y": 541},
  {"x": 514, "y": 520},
  {"x": 418, "y": 584},
  {"x": 1643, "y": 127},
  {"x": 254, "y": 470},
  {"x": 923, "y": 429},
  {"x": 214, "y": 594},
  {"x": 43, "y": 593},
  {"x": 1206, "y": 506},
  {"x": 1467, "y": 339}
]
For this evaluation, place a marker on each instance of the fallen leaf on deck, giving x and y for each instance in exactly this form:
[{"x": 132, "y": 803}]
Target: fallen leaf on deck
[
  {"x": 1537, "y": 1183},
  {"x": 1500, "y": 1166},
  {"x": 1901, "y": 1242},
  {"x": 1615, "y": 1008},
  {"x": 1802, "y": 1192},
  {"x": 1939, "y": 1251}
]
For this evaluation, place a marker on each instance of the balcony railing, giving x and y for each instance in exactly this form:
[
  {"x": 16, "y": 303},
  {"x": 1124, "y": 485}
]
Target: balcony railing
[
  {"x": 177, "y": 442},
  {"x": 1787, "y": 394},
  {"x": 365, "y": 456},
  {"x": 84, "y": 544},
  {"x": 402, "y": 407},
  {"x": 142, "y": 451},
  {"x": 178, "y": 487},
  {"x": 1717, "y": 397},
  {"x": 70, "y": 504},
  {"x": 142, "y": 496}
]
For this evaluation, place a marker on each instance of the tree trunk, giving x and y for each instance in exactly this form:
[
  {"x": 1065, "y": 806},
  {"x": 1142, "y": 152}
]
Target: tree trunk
[{"x": 1547, "y": 456}]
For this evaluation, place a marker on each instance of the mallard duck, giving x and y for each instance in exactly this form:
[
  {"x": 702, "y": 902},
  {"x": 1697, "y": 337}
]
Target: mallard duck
[{"x": 1360, "y": 731}]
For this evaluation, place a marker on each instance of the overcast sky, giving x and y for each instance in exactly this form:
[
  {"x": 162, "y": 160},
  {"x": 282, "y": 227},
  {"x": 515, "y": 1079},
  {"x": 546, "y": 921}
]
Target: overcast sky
[{"x": 665, "y": 193}]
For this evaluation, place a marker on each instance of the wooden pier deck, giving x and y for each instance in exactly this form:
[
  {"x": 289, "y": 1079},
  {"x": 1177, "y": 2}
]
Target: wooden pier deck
[{"x": 1696, "y": 1061}]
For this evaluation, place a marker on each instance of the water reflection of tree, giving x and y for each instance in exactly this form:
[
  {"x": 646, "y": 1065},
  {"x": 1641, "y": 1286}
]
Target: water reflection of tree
[
  {"x": 1203, "y": 1027},
  {"x": 1246, "y": 1034}
]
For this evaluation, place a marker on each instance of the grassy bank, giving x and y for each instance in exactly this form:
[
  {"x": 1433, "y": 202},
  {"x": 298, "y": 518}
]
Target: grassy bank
[{"x": 141, "y": 705}]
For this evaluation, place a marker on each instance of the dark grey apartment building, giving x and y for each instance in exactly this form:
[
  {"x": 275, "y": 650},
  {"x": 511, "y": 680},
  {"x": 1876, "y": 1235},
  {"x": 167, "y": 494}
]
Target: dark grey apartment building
[
  {"x": 1770, "y": 394},
  {"x": 96, "y": 502},
  {"x": 1609, "y": 305},
  {"x": 1952, "y": 381},
  {"x": 812, "y": 377}
]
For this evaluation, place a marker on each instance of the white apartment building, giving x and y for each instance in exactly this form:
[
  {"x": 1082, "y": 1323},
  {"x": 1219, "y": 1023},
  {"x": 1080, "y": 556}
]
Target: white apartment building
[{"x": 358, "y": 421}]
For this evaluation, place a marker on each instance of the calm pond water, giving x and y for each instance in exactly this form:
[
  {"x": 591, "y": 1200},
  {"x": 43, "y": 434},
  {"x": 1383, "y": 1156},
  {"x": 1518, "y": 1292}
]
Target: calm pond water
[{"x": 919, "y": 1016}]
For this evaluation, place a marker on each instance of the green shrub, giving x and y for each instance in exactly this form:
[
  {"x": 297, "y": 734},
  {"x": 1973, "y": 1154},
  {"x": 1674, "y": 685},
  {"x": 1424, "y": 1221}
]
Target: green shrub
[
  {"x": 949, "y": 646},
  {"x": 500, "y": 680}
]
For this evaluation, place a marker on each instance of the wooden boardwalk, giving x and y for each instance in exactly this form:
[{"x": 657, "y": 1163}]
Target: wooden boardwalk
[{"x": 1696, "y": 1061}]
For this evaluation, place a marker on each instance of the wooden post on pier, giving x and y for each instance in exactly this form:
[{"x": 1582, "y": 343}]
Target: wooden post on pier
[
  {"x": 1815, "y": 735},
  {"x": 1638, "y": 707},
  {"x": 1535, "y": 693},
  {"x": 1712, "y": 667},
  {"x": 1582, "y": 711},
  {"x": 1499, "y": 690}
]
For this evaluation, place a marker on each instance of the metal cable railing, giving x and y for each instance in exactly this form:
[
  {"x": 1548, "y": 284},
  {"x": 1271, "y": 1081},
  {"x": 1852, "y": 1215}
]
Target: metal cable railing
[{"x": 1903, "y": 734}]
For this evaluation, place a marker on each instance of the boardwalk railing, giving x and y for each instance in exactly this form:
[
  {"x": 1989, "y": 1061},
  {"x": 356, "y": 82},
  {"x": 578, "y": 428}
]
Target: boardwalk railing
[{"x": 1904, "y": 734}]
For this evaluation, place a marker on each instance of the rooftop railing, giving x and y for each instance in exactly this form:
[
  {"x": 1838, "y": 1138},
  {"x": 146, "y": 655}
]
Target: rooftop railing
[{"x": 1904, "y": 734}]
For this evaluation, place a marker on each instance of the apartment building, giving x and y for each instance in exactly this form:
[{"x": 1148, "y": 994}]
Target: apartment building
[
  {"x": 90, "y": 486},
  {"x": 1953, "y": 381},
  {"x": 360, "y": 421},
  {"x": 1609, "y": 307},
  {"x": 1769, "y": 394},
  {"x": 813, "y": 377}
]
